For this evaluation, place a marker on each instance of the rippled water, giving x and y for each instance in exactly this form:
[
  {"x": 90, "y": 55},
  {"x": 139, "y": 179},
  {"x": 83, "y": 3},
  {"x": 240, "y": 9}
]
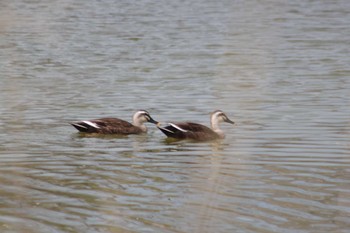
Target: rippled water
[{"x": 279, "y": 70}]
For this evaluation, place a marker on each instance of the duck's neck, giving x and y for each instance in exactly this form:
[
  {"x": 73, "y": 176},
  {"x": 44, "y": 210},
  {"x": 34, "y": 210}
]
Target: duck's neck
[
  {"x": 215, "y": 127},
  {"x": 143, "y": 128},
  {"x": 139, "y": 125}
]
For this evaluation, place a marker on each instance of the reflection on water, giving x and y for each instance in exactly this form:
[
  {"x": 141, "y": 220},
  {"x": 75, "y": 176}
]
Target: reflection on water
[{"x": 279, "y": 70}]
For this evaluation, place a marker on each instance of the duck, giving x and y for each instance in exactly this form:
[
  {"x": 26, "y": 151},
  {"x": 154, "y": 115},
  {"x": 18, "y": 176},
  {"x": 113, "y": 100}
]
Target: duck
[
  {"x": 195, "y": 131},
  {"x": 111, "y": 125}
]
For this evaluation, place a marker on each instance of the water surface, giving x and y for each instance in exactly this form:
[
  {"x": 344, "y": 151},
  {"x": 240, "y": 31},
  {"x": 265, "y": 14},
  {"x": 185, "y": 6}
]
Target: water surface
[{"x": 279, "y": 70}]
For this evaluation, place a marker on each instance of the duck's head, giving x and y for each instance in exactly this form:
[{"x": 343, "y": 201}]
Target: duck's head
[
  {"x": 142, "y": 116},
  {"x": 219, "y": 116}
]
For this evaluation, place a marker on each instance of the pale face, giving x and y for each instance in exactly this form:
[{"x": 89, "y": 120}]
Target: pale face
[
  {"x": 219, "y": 116},
  {"x": 142, "y": 116}
]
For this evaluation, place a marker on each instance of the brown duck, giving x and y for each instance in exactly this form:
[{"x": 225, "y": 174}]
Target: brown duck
[
  {"x": 195, "y": 131},
  {"x": 116, "y": 125}
]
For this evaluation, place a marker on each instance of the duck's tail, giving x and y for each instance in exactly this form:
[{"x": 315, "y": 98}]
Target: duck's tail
[{"x": 80, "y": 126}]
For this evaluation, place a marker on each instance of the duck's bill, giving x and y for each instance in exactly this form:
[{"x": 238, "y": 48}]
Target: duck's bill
[
  {"x": 229, "y": 121},
  {"x": 151, "y": 120}
]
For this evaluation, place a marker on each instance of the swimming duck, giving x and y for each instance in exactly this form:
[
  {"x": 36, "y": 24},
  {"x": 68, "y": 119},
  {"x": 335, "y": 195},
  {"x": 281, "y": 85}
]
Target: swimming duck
[
  {"x": 195, "y": 131},
  {"x": 116, "y": 125}
]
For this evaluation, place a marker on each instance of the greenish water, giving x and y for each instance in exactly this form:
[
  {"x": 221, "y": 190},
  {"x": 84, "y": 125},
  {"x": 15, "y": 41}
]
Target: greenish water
[{"x": 279, "y": 70}]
